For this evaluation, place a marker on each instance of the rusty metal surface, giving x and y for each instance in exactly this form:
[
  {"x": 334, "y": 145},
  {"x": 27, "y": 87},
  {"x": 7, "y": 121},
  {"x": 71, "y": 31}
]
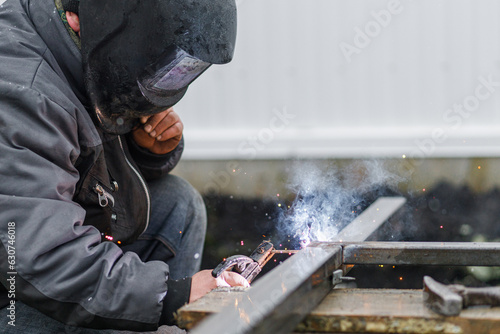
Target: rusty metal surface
[
  {"x": 363, "y": 311},
  {"x": 282, "y": 298},
  {"x": 422, "y": 253},
  {"x": 392, "y": 311}
]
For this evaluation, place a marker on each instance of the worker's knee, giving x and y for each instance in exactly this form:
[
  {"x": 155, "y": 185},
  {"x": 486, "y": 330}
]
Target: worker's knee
[{"x": 175, "y": 197}]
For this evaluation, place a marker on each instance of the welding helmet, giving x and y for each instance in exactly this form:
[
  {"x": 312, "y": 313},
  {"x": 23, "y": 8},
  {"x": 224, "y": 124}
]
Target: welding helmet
[{"x": 140, "y": 56}]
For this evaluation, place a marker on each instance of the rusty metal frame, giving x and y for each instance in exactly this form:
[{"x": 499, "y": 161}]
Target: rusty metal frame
[{"x": 282, "y": 298}]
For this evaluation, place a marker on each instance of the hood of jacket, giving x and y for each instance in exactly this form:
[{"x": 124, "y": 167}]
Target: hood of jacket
[{"x": 54, "y": 33}]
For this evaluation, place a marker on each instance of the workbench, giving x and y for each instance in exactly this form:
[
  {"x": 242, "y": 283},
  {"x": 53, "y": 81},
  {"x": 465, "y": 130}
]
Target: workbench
[{"x": 361, "y": 311}]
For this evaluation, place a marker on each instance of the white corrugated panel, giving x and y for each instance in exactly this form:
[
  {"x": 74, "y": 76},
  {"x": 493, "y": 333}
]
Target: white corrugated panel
[{"x": 352, "y": 78}]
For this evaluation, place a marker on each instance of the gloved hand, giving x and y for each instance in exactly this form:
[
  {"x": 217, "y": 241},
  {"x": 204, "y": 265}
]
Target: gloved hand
[{"x": 203, "y": 282}]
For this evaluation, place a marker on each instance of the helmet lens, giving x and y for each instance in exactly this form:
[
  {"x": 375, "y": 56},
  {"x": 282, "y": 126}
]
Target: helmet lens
[
  {"x": 182, "y": 74},
  {"x": 172, "y": 73}
]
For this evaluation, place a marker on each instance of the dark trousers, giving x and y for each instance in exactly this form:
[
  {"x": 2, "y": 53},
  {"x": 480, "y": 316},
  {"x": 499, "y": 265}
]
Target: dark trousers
[{"x": 175, "y": 235}]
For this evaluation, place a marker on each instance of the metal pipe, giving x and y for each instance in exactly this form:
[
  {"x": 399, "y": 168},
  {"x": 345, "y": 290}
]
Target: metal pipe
[
  {"x": 422, "y": 253},
  {"x": 284, "y": 251}
]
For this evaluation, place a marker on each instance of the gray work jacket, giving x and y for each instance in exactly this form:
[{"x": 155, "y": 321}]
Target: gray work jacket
[{"x": 69, "y": 194}]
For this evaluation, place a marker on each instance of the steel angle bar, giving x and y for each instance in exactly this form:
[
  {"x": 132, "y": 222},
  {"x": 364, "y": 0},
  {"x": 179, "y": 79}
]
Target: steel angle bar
[
  {"x": 281, "y": 299},
  {"x": 371, "y": 219},
  {"x": 422, "y": 253}
]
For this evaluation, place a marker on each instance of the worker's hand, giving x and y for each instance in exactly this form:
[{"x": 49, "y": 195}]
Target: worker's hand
[
  {"x": 203, "y": 282},
  {"x": 159, "y": 133}
]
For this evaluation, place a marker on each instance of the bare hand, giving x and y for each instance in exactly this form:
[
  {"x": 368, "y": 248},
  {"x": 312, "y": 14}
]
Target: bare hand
[
  {"x": 203, "y": 282},
  {"x": 160, "y": 133}
]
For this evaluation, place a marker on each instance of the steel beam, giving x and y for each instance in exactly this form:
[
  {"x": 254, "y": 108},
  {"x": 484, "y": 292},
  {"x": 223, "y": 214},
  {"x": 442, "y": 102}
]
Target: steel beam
[
  {"x": 371, "y": 219},
  {"x": 281, "y": 299},
  {"x": 422, "y": 253}
]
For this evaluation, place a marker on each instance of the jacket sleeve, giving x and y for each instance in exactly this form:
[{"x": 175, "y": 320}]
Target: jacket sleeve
[
  {"x": 60, "y": 266},
  {"x": 152, "y": 165}
]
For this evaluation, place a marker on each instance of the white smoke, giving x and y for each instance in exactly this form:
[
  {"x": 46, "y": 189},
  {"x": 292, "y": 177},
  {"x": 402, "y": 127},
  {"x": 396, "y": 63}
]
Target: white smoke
[{"x": 329, "y": 197}]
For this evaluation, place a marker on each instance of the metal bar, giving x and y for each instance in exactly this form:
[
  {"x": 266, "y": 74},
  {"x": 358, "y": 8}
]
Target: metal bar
[
  {"x": 422, "y": 253},
  {"x": 282, "y": 298},
  {"x": 283, "y": 251},
  {"x": 371, "y": 219}
]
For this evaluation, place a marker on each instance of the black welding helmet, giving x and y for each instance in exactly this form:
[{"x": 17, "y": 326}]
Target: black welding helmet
[{"x": 140, "y": 56}]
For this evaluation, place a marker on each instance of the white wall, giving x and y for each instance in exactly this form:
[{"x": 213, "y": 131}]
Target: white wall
[{"x": 390, "y": 97}]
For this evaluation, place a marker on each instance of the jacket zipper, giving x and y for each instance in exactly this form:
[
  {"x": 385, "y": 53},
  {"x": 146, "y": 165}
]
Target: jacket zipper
[
  {"x": 104, "y": 197},
  {"x": 143, "y": 183}
]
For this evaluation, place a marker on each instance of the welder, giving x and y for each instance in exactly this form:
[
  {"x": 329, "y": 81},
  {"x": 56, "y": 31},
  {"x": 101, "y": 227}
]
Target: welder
[{"x": 95, "y": 232}]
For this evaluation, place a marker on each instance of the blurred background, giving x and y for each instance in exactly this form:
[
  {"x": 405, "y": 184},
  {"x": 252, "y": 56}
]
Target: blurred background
[{"x": 351, "y": 100}]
